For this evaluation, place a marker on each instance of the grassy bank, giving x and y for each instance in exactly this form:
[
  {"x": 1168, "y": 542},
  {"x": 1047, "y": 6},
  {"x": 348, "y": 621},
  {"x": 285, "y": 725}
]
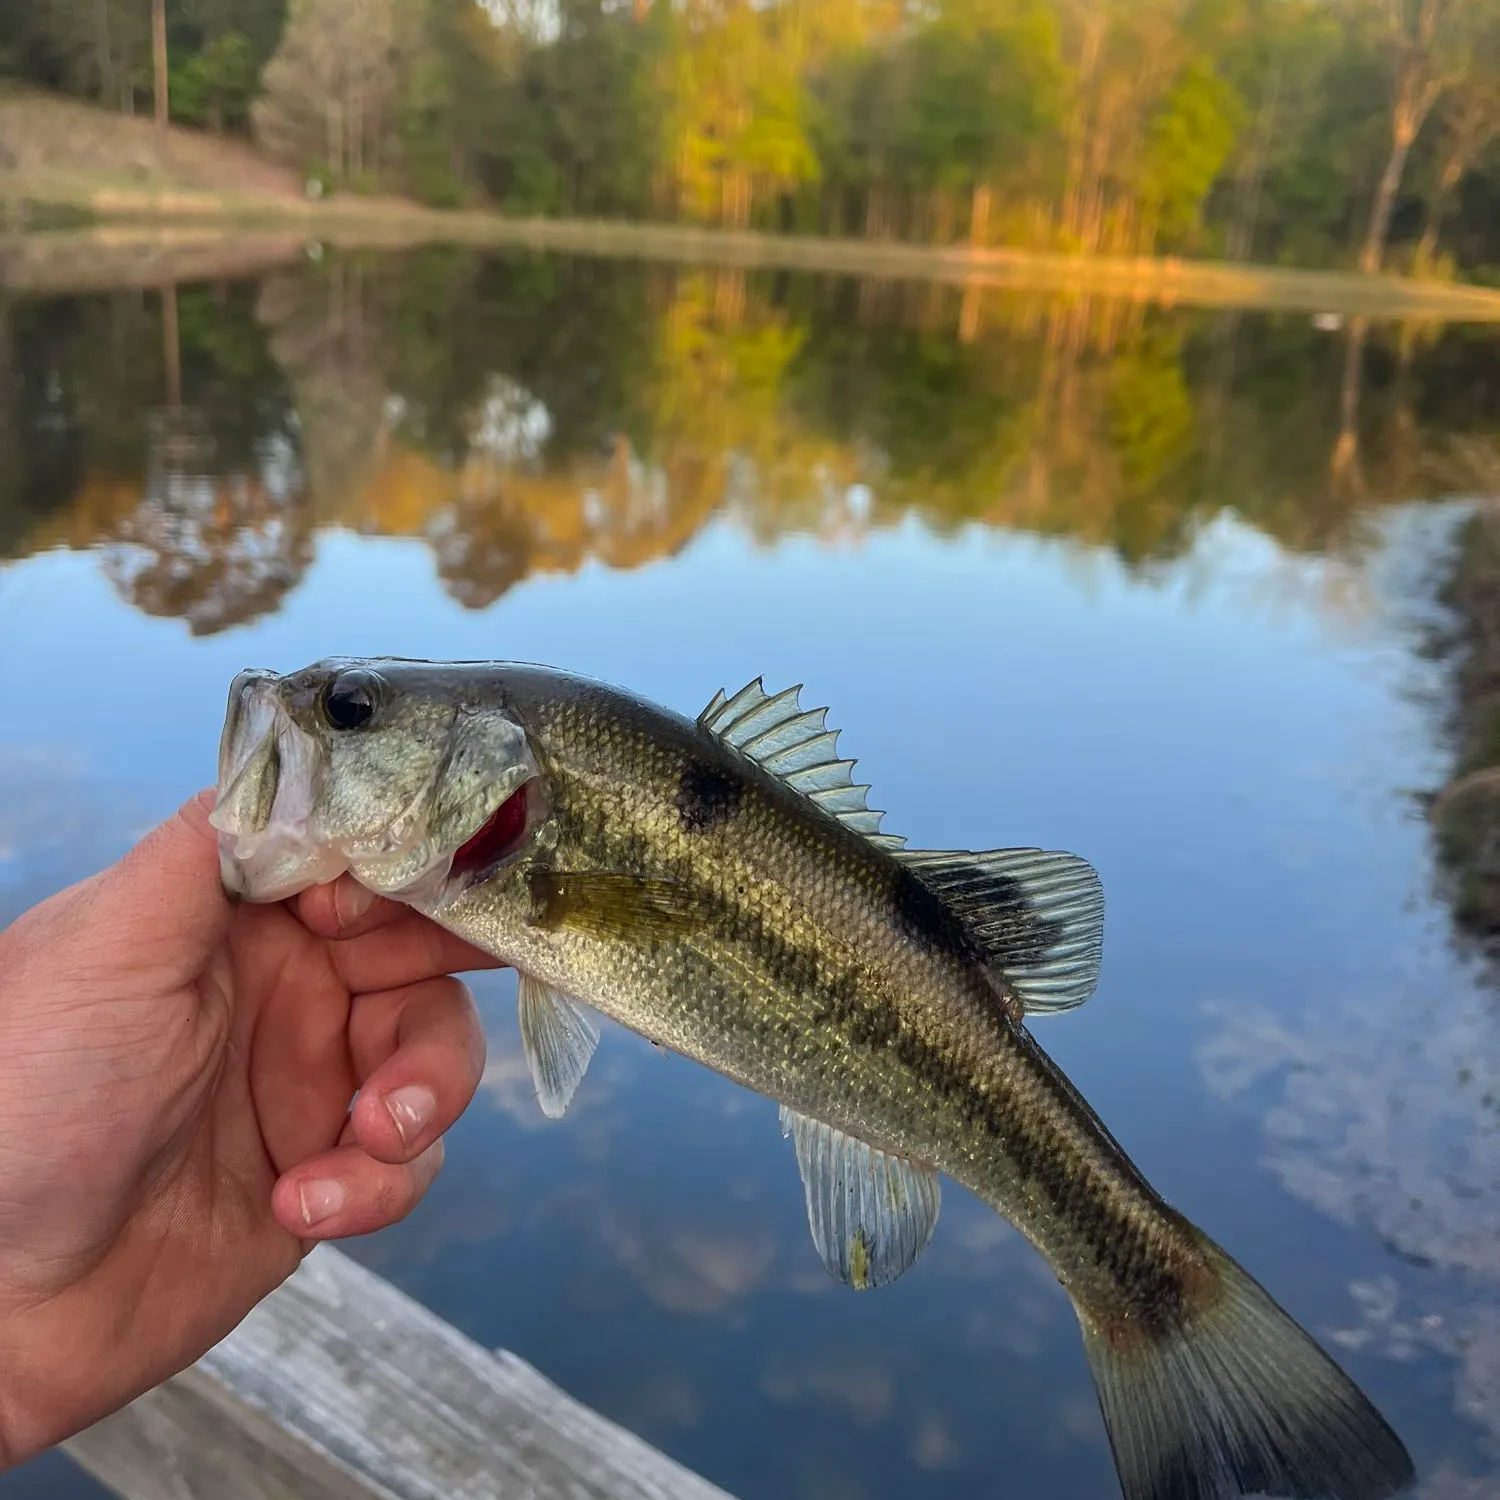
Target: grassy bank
[
  {"x": 181, "y": 187},
  {"x": 133, "y": 227}
]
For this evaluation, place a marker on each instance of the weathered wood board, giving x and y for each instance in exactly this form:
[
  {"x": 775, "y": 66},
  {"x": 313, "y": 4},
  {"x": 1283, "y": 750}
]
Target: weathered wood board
[{"x": 340, "y": 1387}]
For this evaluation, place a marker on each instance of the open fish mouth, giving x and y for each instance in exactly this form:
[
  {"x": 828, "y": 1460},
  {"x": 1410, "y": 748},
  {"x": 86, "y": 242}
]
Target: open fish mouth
[
  {"x": 275, "y": 838},
  {"x": 269, "y": 777}
]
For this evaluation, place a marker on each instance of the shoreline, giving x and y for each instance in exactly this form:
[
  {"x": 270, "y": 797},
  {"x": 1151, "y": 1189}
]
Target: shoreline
[{"x": 129, "y": 227}]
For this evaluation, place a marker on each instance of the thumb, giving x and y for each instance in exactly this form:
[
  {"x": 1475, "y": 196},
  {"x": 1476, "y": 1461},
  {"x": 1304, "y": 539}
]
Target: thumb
[{"x": 166, "y": 891}]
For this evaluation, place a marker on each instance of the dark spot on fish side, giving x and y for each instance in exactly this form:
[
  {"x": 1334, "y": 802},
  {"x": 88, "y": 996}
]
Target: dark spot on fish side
[
  {"x": 707, "y": 798},
  {"x": 1156, "y": 1311},
  {"x": 1166, "y": 1294}
]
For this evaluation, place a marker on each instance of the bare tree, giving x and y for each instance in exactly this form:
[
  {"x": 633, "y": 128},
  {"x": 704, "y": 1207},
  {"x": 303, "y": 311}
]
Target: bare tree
[
  {"x": 1471, "y": 125},
  {"x": 1426, "y": 46},
  {"x": 327, "y": 92}
]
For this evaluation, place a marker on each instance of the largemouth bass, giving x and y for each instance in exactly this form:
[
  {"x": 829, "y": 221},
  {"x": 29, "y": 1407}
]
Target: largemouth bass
[{"x": 721, "y": 887}]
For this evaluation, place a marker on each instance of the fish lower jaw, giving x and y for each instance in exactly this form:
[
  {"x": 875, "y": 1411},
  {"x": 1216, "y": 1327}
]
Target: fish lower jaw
[{"x": 274, "y": 868}]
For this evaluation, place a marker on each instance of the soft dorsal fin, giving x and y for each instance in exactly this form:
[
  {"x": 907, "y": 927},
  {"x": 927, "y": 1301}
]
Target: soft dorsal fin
[
  {"x": 796, "y": 745},
  {"x": 871, "y": 1214},
  {"x": 1037, "y": 917}
]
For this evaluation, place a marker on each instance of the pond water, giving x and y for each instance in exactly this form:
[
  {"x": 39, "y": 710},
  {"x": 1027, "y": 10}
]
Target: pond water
[{"x": 1146, "y": 584}]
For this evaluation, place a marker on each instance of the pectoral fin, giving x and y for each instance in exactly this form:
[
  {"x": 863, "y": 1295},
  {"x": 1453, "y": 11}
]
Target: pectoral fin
[
  {"x": 558, "y": 1037},
  {"x": 871, "y": 1214},
  {"x": 603, "y": 904}
]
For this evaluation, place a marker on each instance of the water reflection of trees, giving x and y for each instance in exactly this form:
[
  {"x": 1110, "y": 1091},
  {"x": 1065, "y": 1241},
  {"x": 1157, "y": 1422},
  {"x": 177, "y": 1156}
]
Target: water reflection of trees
[
  {"x": 193, "y": 507},
  {"x": 527, "y": 414}
]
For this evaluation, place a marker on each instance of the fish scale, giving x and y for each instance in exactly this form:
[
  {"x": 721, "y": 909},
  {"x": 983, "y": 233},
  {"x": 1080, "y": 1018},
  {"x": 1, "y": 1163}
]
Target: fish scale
[
  {"x": 755, "y": 918},
  {"x": 769, "y": 1031}
]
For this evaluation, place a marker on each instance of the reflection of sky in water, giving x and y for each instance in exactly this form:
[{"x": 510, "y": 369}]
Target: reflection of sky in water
[{"x": 1230, "y": 740}]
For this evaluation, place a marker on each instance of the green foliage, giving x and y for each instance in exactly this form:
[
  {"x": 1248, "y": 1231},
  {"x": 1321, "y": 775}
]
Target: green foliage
[
  {"x": 979, "y": 96},
  {"x": 1204, "y": 126},
  {"x": 1188, "y": 141},
  {"x": 566, "y": 125},
  {"x": 319, "y": 179},
  {"x": 215, "y": 86}
]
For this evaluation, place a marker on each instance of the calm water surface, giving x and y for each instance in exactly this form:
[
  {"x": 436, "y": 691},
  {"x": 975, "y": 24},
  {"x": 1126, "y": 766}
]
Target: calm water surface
[{"x": 1094, "y": 578}]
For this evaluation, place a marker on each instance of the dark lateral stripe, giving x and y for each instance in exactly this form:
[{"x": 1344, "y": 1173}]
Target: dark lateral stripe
[{"x": 1036, "y": 1143}]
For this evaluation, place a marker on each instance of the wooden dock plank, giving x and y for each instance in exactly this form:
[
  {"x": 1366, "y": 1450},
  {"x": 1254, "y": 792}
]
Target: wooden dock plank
[{"x": 340, "y": 1387}]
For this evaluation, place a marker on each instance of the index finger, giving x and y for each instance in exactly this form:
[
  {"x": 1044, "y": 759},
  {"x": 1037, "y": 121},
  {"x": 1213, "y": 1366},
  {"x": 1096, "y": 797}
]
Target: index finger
[
  {"x": 344, "y": 908},
  {"x": 404, "y": 950},
  {"x": 380, "y": 944}
]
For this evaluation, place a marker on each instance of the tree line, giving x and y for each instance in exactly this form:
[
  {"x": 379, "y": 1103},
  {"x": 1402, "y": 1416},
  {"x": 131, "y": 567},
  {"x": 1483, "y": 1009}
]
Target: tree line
[{"x": 1310, "y": 132}]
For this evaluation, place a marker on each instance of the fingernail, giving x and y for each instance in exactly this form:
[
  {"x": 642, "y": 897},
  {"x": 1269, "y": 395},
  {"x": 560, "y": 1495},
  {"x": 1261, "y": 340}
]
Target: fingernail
[
  {"x": 411, "y": 1108},
  {"x": 351, "y": 901},
  {"x": 320, "y": 1200}
]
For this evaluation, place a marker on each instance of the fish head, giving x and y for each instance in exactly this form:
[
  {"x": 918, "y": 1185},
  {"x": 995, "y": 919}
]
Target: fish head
[{"x": 414, "y": 777}]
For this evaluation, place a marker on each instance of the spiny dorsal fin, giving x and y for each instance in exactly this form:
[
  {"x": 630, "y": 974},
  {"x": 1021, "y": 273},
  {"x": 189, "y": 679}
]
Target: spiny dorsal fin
[
  {"x": 871, "y": 1214},
  {"x": 558, "y": 1037},
  {"x": 796, "y": 745},
  {"x": 1037, "y": 917}
]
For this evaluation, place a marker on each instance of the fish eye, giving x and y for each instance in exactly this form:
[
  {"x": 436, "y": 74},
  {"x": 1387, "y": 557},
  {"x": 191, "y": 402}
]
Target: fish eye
[{"x": 350, "y": 699}]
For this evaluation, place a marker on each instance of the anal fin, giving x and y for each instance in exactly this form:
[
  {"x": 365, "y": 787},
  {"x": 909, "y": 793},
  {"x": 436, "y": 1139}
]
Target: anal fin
[
  {"x": 558, "y": 1037},
  {"x": 871, "y": 1214}
]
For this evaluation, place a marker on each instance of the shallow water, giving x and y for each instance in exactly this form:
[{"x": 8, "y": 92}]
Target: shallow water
[{"x": 1096, "y": 578}]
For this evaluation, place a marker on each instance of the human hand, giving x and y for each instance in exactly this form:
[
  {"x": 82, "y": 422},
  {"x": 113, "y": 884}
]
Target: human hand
[{"x": 176, "y": 1133}]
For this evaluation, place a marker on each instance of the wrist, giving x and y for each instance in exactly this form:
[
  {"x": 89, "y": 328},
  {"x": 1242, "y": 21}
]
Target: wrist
[{"x": 50, "y": 1367}]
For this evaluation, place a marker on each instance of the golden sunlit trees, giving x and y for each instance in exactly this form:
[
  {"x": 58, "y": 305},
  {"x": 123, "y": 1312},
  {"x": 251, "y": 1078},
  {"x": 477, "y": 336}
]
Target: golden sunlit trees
[{"x": 1305, "y": 131}]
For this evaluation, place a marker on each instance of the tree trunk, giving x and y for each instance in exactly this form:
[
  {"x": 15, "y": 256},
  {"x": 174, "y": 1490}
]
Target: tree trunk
[
  {"x": 159, "y": 58},
  {"x": 940, "y": 218},
  {"x": 171, "y": 344},
  {"x": 979, "y": 214},
  {"x": 335, "y": 131},
  {"x": 1471, "y": 136},
  {"x": 104, "y": 59},
  {"x": 1437, "y": 208},
  {"x": 1345, "y": 468},
  {"x": 1252, "y": 175},
  {"x": 968, "y": 313},
  {"x": 1403, "y": 133},
  {"x": 1093, "y": 37}
]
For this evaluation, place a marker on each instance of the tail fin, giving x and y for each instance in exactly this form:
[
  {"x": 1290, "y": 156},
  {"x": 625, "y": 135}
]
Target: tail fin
[{"x": 1238, "y": 1400}]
